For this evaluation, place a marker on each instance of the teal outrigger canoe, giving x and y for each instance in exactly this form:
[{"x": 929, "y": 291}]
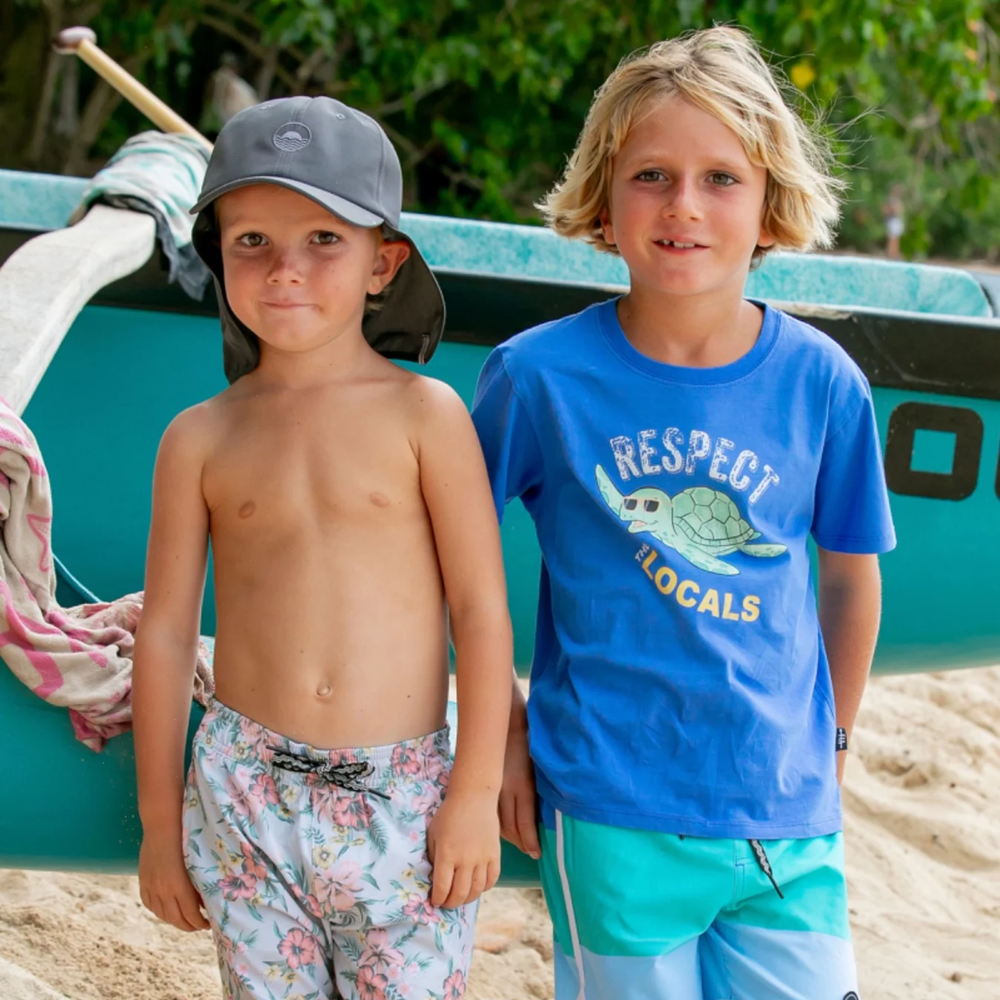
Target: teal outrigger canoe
[{"x": 140, "y": 351}]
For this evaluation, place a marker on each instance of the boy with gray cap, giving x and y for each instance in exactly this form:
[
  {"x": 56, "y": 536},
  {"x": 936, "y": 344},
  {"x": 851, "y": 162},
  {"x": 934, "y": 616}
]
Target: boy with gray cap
[{"x": 348, "y": 508}]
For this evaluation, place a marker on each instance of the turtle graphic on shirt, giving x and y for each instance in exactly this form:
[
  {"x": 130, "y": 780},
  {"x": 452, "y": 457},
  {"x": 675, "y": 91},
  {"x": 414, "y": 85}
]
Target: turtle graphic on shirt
[{"x": 700, "y": 523}]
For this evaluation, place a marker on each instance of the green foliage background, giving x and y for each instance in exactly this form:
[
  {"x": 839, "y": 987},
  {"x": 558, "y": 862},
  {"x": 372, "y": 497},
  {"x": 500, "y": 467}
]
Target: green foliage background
[{"x": 484, "y": 99}]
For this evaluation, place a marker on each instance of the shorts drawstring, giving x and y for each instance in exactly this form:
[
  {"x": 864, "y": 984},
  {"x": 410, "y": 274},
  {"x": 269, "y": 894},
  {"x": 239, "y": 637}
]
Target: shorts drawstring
[
  {"x": 347, "y": 775},
  {"x": 765, "y": 865}
]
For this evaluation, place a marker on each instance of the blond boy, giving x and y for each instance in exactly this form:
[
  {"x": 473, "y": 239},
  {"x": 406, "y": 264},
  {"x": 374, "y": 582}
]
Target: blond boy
[{"x": 677, "y": 448}]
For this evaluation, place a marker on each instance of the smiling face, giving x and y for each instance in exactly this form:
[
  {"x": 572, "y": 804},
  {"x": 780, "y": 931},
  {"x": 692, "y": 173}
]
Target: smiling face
[
  {"x": 295, "y": 274},
  {"x": 685, "y": 203}
]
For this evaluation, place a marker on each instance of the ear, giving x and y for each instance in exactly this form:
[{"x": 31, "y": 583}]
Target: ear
[
  {"x": 607, "y": 226},
  {"x": 389, "y": 258},
  {"x": 764, "y": 238}
]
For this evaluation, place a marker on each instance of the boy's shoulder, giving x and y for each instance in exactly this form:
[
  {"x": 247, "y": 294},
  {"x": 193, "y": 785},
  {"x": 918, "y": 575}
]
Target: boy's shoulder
[
  {"x": 429, "y": 396},
  {"x": 557, "y": 342},
  {"x": 190, "y": 436},
  {"x": 429, "y": 409},
  {"x": 837, "y": 387},
  {"x": 813, "y": 345}
]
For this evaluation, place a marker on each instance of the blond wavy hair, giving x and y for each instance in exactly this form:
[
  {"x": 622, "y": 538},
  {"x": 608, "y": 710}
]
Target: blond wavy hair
[{"x": 721, "y": 71}]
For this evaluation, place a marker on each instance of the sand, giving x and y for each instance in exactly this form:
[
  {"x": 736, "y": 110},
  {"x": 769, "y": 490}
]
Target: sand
[{"x": 922, "y": 798}]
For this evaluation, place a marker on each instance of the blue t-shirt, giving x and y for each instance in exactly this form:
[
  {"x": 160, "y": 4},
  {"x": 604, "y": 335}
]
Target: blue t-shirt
[{"x": 679, "y": 680}]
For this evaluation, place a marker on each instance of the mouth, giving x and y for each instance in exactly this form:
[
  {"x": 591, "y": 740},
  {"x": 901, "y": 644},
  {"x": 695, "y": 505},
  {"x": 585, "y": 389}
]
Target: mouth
[
  {"x": 286, "y": 305},
  {"x": 637, "y": 526},
  {"x": 679, "y": 245}
]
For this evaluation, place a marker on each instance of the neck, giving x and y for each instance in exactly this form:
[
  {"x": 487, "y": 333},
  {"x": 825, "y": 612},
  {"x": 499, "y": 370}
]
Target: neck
[{"x": 694, "y": 331}]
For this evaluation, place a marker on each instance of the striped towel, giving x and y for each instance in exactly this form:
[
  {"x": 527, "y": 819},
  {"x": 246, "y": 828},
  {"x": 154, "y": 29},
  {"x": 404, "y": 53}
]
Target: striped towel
[
  {"x": 160, "y": 174},
  {"x": 78, "y": 658}
]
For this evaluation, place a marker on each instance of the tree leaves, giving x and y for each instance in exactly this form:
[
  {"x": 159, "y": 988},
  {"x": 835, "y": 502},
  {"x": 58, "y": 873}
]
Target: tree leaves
[{"x": 485, "y": 98}]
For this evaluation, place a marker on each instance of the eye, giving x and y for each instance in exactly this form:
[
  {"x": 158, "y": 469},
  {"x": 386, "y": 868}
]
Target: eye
[
  {"x": 722, "y": 179},
  {"x": 630, "y": 504},
  {"x": 650, "y": 505},
  {"x": 650, "y": 176},
  {"x": 252, "y": 240},
  {"x": 325, "y": 238}
]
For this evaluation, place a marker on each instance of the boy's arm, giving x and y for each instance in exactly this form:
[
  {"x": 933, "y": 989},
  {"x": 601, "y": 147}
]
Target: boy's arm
[
  {"x": 850, "y": 603},
  {"x": 852, "y": 524},
  {"x": 165, "y": 656},
  {"x": 514, "y": 463},
  {"x": 464, "y": 839},
  {"x": 518, "y": 822}
]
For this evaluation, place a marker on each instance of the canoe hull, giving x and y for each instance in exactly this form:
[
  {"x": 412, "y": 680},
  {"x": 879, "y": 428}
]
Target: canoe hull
[
  {"x": 122, "y": 374},
  {"x": 142, "y": 352}
]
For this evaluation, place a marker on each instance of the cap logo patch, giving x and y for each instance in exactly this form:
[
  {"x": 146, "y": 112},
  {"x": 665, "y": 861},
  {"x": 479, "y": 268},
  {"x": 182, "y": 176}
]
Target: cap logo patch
[{"x": 292, "y": 137}]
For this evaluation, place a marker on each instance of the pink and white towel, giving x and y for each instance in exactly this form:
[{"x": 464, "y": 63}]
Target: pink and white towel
[{"x": 79, "y": 658}]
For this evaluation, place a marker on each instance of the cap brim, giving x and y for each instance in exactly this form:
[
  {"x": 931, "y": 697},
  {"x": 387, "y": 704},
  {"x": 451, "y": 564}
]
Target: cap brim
[{"x": 340, "y": 207}]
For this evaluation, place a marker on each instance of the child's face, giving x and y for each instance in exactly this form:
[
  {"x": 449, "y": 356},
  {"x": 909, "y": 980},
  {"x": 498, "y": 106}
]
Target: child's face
[
  {"x": 295, "y": 274},
  {"x": 683, "y": 176}
]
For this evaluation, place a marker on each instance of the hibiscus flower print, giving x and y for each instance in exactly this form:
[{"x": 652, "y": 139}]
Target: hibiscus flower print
[
  {"x": 252, "y": 866},
  {"x": 322, "y": 798},
  {"x": 405, "y": 761},
  {"x": 426, "y": 802},
  {"x": 352, "y": 811},
  {"x": 307, "y": 901},
  {"x": 337, "y": 888},
  {"x": 237, "y": 887},
  {"x": 419, "y": 908},
  {"x": 299, "y": 948},
  {"x": 264, "y": 791},
  {"x": 241, "y": 804},
  {"x": 371, "y": 984},
  {"x": 454, "y": 986},
  {"x": 378, "y": 954},
  {"x": 436, "y": 769},
  {"x": 250, "y": 733}
]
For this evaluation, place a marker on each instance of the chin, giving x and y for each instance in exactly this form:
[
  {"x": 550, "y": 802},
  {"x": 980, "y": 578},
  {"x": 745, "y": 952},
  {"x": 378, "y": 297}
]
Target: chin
[
  {"x": 683, "y": 284},
  {"x": 290, "y": 337}
]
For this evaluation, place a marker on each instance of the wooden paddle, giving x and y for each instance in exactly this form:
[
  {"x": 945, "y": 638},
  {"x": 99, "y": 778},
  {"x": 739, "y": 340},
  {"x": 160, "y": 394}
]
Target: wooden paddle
[{"x": 82, "y": 42}]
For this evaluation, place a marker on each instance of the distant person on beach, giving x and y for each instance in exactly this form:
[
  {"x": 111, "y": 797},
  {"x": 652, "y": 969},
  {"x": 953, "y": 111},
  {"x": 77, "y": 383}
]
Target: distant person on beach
[
  {"x": 227, "y": 94},
  {"x": 892, "y": 212},
  {"x": 677, "y": 448},
  {"x": 323, "y": 829}
]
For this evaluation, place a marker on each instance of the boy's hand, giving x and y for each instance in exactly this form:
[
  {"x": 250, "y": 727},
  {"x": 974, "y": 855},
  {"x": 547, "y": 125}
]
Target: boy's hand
[
  {"x": 463, "y": 844},
  {"x": 518, "y": 822},
  {"x": 164, "y": 886}
]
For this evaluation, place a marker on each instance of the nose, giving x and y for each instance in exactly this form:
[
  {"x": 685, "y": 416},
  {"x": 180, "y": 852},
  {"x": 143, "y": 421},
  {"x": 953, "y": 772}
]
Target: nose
[
  {"x": 683, "y": 201},
  {"x": 285, "y": 268}
]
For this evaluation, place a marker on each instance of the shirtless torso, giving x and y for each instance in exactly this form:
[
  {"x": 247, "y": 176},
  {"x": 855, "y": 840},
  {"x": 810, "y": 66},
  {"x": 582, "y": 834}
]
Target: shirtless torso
[
  {"x": 352, "y": 528},
  {"x": 331, "y": 619}
]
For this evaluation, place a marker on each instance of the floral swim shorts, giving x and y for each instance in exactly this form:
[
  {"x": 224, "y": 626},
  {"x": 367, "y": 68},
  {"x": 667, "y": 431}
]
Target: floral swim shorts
[{"x": 312, "y": 865}]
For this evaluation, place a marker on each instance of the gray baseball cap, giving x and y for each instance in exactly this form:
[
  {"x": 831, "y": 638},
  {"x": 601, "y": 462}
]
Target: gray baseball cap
[{"x": 342, "y": 160}]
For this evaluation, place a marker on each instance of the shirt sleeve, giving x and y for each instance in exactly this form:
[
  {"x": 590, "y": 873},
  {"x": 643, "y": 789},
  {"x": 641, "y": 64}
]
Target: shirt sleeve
[
  {"x": 507, "y": 437},
  {"x": 851, "y": 511}
]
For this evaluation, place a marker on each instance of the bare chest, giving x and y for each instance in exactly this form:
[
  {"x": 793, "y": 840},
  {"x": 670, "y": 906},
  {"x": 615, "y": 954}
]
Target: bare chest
[{"x": 289, "y": 472}]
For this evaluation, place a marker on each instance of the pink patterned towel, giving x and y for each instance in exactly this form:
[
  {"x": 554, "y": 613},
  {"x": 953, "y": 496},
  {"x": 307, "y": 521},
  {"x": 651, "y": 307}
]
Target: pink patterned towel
[{"x": 79, "y": 658}]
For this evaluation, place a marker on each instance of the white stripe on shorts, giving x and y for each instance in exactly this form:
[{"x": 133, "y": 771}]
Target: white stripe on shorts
[{"x": 567, "y": 899}]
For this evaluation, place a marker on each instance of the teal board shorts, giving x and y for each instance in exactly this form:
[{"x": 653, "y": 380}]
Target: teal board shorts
[{"x": 642, "y": 915}]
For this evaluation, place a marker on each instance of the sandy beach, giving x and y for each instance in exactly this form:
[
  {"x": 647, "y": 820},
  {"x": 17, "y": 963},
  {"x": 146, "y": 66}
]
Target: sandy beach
[{"x": 923, "y": 845}]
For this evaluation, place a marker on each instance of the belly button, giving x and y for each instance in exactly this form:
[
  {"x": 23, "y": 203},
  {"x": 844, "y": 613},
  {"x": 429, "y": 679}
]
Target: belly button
[
  {"x": 323, "y": 690},
  {"x": 247, "y": 509},
  {"x": 379, "y": 499}
]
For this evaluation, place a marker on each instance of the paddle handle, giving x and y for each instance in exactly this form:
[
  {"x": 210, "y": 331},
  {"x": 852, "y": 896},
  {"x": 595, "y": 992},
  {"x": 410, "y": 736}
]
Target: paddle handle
[{"x": 82, "y": 41}]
